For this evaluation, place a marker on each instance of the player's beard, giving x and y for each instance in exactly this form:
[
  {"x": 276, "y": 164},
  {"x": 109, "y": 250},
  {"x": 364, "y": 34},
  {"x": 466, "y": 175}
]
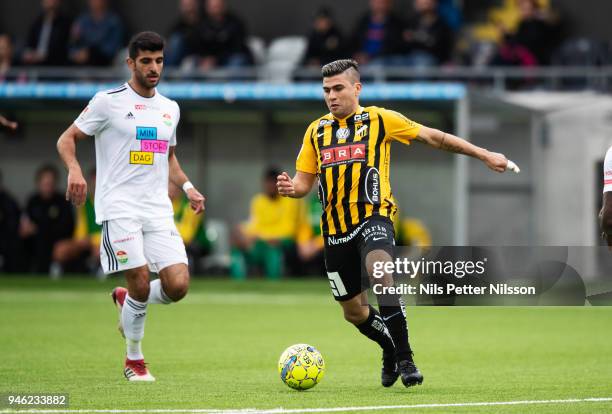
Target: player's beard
[{"x": 144, "y": 82}]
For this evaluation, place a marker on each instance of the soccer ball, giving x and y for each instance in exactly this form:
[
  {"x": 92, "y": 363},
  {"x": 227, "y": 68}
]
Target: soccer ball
[{"x": 301, "y": 366}]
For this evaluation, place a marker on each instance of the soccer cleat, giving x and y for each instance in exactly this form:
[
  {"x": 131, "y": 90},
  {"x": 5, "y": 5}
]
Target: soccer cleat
[
  {"x": 410, "y": 373},
  {"x": 390, "y": 372},
  {"x": 136, "y": 370},
  {"x": 118, "y": 295}
]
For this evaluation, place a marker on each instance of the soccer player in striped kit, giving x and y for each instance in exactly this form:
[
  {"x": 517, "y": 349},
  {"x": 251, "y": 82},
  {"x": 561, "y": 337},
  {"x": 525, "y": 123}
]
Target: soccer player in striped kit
[{"x": 349, "y": 151}]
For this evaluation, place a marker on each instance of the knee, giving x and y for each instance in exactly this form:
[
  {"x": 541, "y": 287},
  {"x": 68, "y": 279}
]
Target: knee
[
  {"x": 177, "y": 289},
  {"x": 139, "y": 289},
  {"x": 356, "y": 314}
]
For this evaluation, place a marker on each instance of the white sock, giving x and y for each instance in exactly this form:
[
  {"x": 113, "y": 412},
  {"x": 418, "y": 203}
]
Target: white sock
[
  {"x": 157, "y": 294},
  {"x": 133, "y": 317},
  {"x": 134, "y": 350}
]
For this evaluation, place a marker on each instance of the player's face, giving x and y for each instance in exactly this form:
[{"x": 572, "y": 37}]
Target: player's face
[
  {"x": 147, "y": 68},
  {"x": 341, "y": 94}
]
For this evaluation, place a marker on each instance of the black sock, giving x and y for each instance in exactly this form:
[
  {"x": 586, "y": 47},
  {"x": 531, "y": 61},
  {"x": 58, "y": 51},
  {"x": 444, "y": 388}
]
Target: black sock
[
  {"x": 374, "y": 328},
  {"x": 394, "y": 315}
]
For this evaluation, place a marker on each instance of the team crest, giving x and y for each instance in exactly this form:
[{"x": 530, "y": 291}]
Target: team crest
[
  {"x": 122, "y": 257},
  {"x": 343, "y": 133}
]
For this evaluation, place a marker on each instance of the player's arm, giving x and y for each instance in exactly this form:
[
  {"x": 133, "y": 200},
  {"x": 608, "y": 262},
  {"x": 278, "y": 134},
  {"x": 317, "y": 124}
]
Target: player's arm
[
  {"x": 297, "y": 187},
  {"x": 451, "y": 143},
  {"x": 178, "y": 177},
  {"x": 605, "y": 219},
  {"x": 306, "y": 169},
  {"x": 76, "y": 190}
]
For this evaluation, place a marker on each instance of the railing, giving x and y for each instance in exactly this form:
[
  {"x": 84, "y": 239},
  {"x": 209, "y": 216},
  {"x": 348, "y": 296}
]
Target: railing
[{"x": 496, "y": 78}]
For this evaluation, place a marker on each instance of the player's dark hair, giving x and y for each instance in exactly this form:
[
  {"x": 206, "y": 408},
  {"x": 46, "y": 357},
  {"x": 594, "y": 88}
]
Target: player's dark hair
[
  {"x": 271, "y": 173},
  {"x": 149, "y": 41},
  {"x": 47, "y": 168},
  {"x": 339, "y": 66}
]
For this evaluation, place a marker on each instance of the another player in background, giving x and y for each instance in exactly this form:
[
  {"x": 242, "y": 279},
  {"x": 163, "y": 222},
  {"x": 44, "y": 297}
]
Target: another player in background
[
  {"x": 267, "y": 240},
  {"x": 82, "y": 251},
  {"x": 605, "y": 214},
  {"x": 348, "y": 149},
  {"x": 135, "y": 136}
]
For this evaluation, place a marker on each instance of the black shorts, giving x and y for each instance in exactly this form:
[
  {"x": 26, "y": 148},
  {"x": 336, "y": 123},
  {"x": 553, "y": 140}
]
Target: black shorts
[{"x": 345, "y": 255}]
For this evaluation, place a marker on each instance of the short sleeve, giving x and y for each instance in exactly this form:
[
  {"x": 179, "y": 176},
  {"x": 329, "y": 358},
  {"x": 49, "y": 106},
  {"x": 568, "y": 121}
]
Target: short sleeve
[
  {"x": 94, "y": 117},
  {"x": 172, "y": 142},
  {"x": 399, "y": 128},
  {"x": 307, "y": 158},
  {"x": 607, "y": 171}
]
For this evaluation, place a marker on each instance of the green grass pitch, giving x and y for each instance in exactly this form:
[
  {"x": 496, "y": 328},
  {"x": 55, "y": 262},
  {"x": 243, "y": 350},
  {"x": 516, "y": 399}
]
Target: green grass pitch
[{"x": 218, "y": 349}]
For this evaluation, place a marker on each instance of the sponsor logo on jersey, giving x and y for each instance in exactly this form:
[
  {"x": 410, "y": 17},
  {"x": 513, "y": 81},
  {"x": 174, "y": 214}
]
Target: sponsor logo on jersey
[
  {"x": 343, "y": 133},
  {"x": 324, "y": 122},
  {"x": 146, "y": 132},
  {"x": 122, "y": 257},
  {"x": 141, "y": 157},
  {"x": 342, "y": 155},
  {"x": 144, "y": 107},
  {"x": 362, "y": 117},
  {"x": 159, "y": 147},
  {"x": 372, "y": 186}
]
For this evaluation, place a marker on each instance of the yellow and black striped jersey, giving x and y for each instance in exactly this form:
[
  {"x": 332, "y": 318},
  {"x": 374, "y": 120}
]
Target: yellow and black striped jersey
[{"x": 351, "y": 157}]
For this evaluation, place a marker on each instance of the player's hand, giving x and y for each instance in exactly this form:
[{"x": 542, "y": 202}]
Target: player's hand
[
  {"x": 608, "y": 239},
  {"x": 196, "y": 200},
  {"x": 77, "y": 188},
  {"x": 284, "y": 185},
  {"x": 498, "y": 162},
  {"x": 8, "y": 124}
]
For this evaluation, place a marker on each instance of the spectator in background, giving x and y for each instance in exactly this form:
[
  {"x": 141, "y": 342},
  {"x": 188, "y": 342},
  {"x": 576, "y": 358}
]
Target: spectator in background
[
  {"x": 10, "y": 251},
  {"x": 96, "y": 36},
  {"x": 222, "y": 38},
  {"x": 81, "y": 252},
  {"x": 378, "y": 33},
  {"x": 267, "y": 240},
  {"x": 427, "y": 39},
  {"x": 309, "y": 238},
  {"x": 325, "y": 43},
  {"x": 184, "y": 40},
  {"x": 534, "y": 39},
  {"x": 190, "y": 225},
  {"x": 48, "y": 219},
  {"x": 6, "y": 55},
  {"x": 47, "y": 42}
]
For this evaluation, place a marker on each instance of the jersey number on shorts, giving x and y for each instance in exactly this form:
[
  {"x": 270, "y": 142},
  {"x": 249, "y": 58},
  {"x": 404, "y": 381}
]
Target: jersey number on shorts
[{"x": 336, "y": 284}]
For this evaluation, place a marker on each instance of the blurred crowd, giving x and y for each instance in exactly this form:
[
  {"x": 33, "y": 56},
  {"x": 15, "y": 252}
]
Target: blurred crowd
[
  {"x": 280, "y": 237},
  {"x": 207, "y": 34}
]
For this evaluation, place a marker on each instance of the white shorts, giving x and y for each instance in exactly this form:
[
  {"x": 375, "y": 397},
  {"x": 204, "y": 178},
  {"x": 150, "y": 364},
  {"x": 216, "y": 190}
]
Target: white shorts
[{"x": 128, "y": 243}]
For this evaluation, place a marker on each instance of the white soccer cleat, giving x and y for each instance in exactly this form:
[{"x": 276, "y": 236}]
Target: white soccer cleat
[
  {"x": 136, "y": 370},
  {"x": 512, "y": 167}
]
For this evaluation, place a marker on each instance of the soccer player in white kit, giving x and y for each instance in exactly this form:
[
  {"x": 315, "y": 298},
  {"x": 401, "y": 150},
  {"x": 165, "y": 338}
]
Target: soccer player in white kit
[
  {"x": 135, "y": 138},
  {"x": 605, "y": 215}
]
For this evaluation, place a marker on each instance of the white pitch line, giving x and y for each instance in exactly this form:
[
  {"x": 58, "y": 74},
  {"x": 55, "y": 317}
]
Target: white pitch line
[{"x": 314, "y": 410}]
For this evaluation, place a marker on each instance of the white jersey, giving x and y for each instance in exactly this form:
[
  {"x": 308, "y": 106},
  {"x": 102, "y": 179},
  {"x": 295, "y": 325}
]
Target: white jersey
[
  {"x": 607, "y": 171},
  {"x": 133, "y": 135}
]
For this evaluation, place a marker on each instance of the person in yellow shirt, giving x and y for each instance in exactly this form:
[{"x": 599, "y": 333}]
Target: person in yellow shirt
[
  {"x": 267, "y": 239},
  {"x": 190, "y": 225},
  {"x": 309, "y": 238},
  {"x": 82, "y": 251},
  {"x": 410, "y": 231}
]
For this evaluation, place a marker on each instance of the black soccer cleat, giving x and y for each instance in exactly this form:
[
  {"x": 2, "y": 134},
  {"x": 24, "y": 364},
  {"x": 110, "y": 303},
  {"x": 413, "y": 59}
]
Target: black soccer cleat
[
  {"x": 410, "y": 373},
  {"x": 390, "y": 373}
]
